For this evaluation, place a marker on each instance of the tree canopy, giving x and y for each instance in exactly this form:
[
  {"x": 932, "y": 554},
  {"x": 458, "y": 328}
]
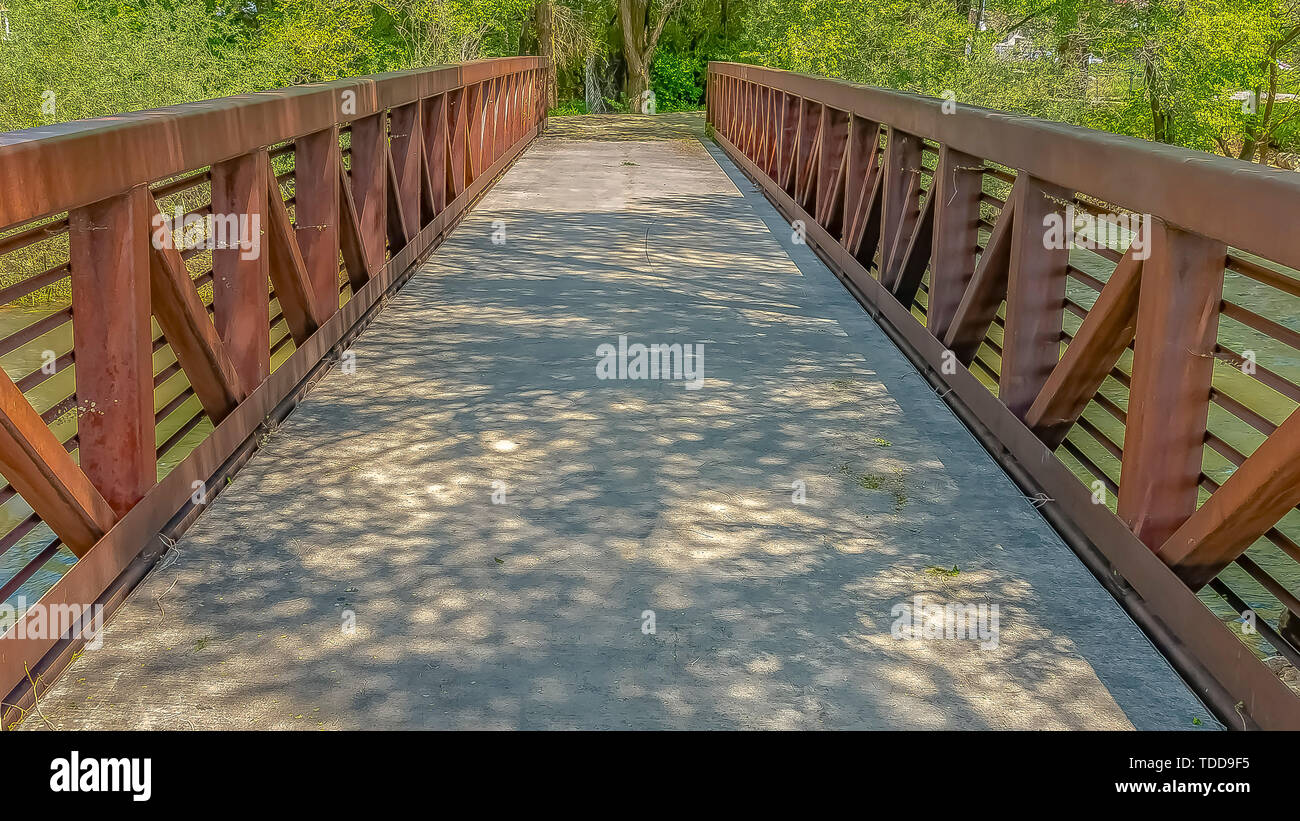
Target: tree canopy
[{"x": 1216, "y": 75}]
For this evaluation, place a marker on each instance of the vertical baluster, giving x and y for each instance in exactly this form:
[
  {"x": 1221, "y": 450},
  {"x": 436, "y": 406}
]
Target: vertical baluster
[
  {"x": 1169, "y": 397},
  {"x": 805, "y": 153},
  {"x": 494, "y": 132},
  {"x": 517, "y": 94},
  {"x": 899, "y": 209},
  {"x": 789, "y": 141},
  {"x": 407, "y": 140},
  {"x": 369, "y": 178},
  {"x": 830, "y": 175},
  {"x": 316, "y": 215},
  {"x": 240, "y": 300},
  {"x": 1031, "y": 344},
  {"x": 457, "y": 143},
  {"x": 959, "y": 182},
  {"x": 475, "y": 119},
  {"x": 112, "y": 343},
  {"x": 864, "y": 136},
  {"x": 435, "y": 147}
]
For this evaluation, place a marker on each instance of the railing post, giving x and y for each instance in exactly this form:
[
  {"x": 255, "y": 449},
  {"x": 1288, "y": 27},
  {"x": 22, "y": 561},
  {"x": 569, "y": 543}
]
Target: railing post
[
  {"x": 239, "y": 278},
  {"x": 859, "y": 179},
  {"x": 512, "y": 110},
  {"x": 788, "y": 140},
  {"x": 766, "y": 126},
  {"x": 902, "y": 169},
  {"x": 524, "y": 117},
  {"x": 725, "y": 106},
  {"x": 710, "y": 95},
  {"x": 1031, "y": 344},
  {"x": 518, "y": 107},
  {"x": 805, "y": 151},
  {"x": 474, "y": 136},
  {"x": 738, "y": 91},
  {"x": 958, "y": 182},
  {"x": 316, "y": 215},
  {"x": 1169, "y": 397},
  {"x": 369, "y": 177},
  {"x": 749, "y": 131},
  {"x": 498, "y": 107},
  {"x": 770, "y": 114},
  {"x": 435, "y": 148},
  {"x": 457, "y": 144},
  {"x": 540, "y": 98},
  {"x": 732, "y": 109},
  {"x": 112, "y": 341},
  {"x": 829, "y": 203},
  {"x": 505, "y": 128},
  {"x": 406, "y": 127}
]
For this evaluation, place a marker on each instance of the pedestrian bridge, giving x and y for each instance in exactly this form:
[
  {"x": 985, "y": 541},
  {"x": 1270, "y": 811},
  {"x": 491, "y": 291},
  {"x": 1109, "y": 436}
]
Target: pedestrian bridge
[{"x": 783, "y": 416}]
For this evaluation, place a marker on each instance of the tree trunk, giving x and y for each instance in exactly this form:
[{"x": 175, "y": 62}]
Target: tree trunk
[
  {"x": 636, "y": 49},
  {"x": 1161, "y": 123},
  {"x": 1259, "y": 139},
  {"x": 640, "y": 37},
  {"x": 544, "y": 20},
  {"x": 1248, "y": 142},
  {"x": 638, "y": 83},
  {"x": 1265, "y": 128},
  {"x": 1161, "y": 119}
]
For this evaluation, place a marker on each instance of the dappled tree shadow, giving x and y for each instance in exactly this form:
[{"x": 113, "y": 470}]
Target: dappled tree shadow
[{"x": 376, "y": 498}]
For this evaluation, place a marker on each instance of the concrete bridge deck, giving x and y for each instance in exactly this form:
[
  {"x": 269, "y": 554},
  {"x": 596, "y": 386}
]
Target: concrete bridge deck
[{"x": 376, "y": 498}]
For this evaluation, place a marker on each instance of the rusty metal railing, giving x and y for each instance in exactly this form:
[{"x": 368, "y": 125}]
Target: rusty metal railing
[
  {"x": 141, "y": 358},
  {"x": 1117, "y": 320}
]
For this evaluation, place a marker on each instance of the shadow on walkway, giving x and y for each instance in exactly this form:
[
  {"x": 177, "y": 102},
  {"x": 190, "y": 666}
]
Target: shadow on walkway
[{"x": 623, "y": 500}]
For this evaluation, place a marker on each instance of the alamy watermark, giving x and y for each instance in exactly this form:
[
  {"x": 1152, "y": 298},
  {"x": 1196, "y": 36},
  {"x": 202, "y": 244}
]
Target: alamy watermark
[
  {"x": 208, "y": 232},
  {"x": 76, "y": 774},
  {"x": 52, "y": 621},
  {"x": 655, "y": 361}
]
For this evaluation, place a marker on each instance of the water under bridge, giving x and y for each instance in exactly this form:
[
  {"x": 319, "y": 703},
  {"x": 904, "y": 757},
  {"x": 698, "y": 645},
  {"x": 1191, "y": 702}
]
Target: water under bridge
[{"x": 906, "y": 464}]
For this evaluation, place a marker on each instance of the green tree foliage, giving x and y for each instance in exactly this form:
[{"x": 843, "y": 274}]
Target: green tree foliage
[
  {"x": 83, "y": 58},
  {"x": 95, "y": 57},
  {"x": 1217, "y": 75},
  {"x": 678, "y": 82}
]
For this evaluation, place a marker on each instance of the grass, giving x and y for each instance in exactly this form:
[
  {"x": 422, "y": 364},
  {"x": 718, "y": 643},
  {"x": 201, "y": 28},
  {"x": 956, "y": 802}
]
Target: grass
[
  {"x": 53, "y": 295},
  {"x": 51, "y": 251},
  {"x": 37, "y": 258},
  {"x": 870, "y": 481},
  {"x": 891, "y": 483},
  {"x": 568, "y": 108}
]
